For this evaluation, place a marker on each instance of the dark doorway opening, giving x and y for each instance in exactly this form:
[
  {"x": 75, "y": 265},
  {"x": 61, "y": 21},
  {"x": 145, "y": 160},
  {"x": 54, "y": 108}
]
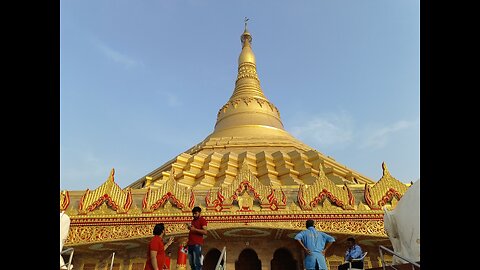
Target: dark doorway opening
[
  {"x": 248, "y": 260},
  {"x": 211, "y": 259},
  {"x": 283, "y": 260}
]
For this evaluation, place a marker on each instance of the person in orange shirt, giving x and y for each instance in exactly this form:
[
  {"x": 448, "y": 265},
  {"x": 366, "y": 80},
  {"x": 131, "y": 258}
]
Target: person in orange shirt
[{"x": 156, "y": 249}]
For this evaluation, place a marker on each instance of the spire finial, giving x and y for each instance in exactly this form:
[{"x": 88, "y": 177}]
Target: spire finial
[{"x": 246, "y": 35}]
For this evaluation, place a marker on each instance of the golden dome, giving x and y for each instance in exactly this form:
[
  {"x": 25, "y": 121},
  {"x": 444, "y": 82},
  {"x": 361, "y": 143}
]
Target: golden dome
[{"x": 249, "y": 129}]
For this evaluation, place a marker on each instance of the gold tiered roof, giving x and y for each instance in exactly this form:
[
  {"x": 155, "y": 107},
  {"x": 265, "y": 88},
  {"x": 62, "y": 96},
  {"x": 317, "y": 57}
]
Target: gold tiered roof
[{"x": 249, "y": 128}]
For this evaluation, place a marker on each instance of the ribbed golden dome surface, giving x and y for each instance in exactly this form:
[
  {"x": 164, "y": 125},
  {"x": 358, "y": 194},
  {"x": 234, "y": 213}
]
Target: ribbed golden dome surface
[{"x": 249, "y": 128}]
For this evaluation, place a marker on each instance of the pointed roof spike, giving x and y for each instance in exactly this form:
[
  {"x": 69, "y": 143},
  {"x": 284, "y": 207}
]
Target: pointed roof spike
[{"x": 385, "y": 169}]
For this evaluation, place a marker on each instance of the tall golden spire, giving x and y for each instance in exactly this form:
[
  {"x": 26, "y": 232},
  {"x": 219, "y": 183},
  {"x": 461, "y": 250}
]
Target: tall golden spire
[
  {"x": 247, "y": 83},
  {"x": 247, "y": 107}
]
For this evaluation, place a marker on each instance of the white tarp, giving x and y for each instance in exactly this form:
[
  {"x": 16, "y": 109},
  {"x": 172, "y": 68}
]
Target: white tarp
[
  {"x": 64, "y": 227},
  {"x": 402, "y": 225}
]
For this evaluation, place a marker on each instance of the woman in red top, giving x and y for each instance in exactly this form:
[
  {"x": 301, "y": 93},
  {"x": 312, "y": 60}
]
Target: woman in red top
[{"x": 156, "y": 249}]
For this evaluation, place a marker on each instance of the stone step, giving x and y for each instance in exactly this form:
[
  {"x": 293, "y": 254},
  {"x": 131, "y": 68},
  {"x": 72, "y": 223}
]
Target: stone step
[{"x": 405, "y": 266}]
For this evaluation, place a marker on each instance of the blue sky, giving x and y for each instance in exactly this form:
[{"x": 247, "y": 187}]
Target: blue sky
[{"x": 142, "y": 81}]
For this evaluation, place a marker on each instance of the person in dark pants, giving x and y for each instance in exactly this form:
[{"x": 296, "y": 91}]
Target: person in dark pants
[
  {"x": 354, "y": 251},
  {"x": 198, "y": 228}
]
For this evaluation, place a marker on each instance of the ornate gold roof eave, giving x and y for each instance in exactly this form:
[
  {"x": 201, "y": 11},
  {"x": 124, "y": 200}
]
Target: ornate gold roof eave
[
  {"x": 322, "y": 189},
  {"x": 323, "y": 198},
  {"x": 386, "y": 189},
  {"x": 269, "y": 197},
  {"x": 109, "y": 192},
  {"x": 98, "y": 228},
  {"x": 182, "y": 198}
]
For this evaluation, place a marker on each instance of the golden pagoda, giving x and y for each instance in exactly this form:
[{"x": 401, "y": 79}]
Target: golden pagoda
[{"x": 256, "y": 185}]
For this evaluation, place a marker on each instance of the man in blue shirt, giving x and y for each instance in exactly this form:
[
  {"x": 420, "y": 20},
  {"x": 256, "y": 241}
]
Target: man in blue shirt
[
  {"x": 354, "y": 251},
  {"x": 315, "y": 243}
]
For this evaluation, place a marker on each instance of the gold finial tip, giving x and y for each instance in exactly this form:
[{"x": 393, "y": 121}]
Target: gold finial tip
[
  {"x": 385, "y": 169},
  {"x": 246, "y": 35}
]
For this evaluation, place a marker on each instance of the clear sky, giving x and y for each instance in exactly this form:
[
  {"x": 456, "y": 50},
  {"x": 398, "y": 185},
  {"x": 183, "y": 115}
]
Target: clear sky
[{"x": 142, "y": 81}]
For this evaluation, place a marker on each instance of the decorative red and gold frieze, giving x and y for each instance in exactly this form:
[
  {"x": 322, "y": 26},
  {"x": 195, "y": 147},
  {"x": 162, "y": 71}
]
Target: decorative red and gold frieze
[{"x": 103, "y": 229}]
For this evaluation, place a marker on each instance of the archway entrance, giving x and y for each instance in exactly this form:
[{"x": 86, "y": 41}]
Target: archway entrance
[
  {"x": 211, "y": 259},
  {"x": 283, "y": 260},
  {"x": 248, "y": 260}
]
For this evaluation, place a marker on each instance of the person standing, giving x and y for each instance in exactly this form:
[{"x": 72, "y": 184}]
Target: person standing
[
  {"x": 353, "y": 251},
  {"x": 197, "y": 229},
  {"x": 315, "y": 243},
  {"x": 156, "y": 249}
]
